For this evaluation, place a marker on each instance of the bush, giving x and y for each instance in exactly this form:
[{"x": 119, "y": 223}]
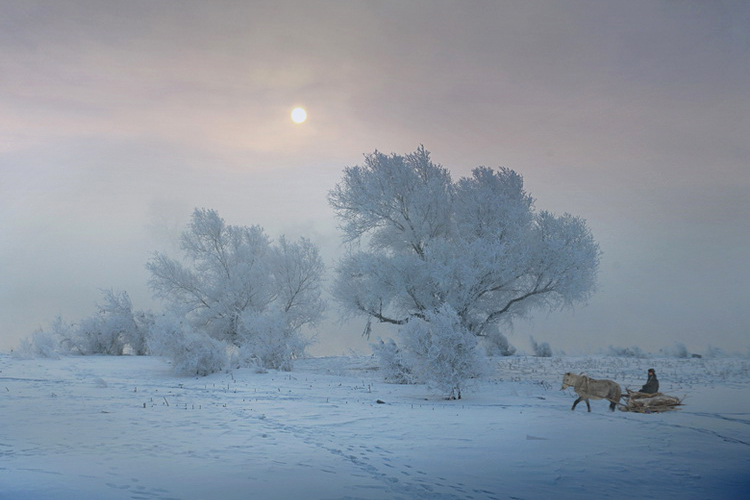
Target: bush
[
  {"x": 442, "y": 353},
  {"x": 714, "y": 352},
  {"x": 131, "y": 328},
  {"x": 268, "y": 342},
  {"x": 391, "y": 362},
  {"x": 96, "y": 335},
  {"x": 112, "y": 330},
  {"x": 191, "y": 353},
  {"x": 542, "y": 350},
  {"x": 496, "y": 343},
  {"x": 678, "y": 350},
  {"x": 44, "y": 344},
  {"x": 626, "y": 352}
]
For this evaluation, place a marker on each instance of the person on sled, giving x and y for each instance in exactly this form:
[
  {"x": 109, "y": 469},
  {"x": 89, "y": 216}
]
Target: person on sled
[{"x": 652, "y": 384}]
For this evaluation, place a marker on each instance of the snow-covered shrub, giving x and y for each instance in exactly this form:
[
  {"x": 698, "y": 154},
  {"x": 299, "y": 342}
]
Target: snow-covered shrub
[
  {"x": 440, "y": 352},
  {"x": 714, "y": 352},
  {"x": 626, "y": 352},
  {"x": 96, "y": 336},
  {"x": 120, "y": 320},
  {"x": 391, "y": 362},
  {"x": 45, "y": 343},
  {"x": 114, "y": 328},
  {"x": 268, "y": 342},
  {"x": 678, "y": 350},
  {"x": 191, "y": 353},
  {"x": 496, "y": 343},
  {"x": 541, "y": 350}
]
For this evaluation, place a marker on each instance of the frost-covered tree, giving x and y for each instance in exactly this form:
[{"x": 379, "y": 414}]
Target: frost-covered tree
[
  {"x": 476, "y": 244},
  {"x": 421, "y": 241},
  {"x": 114, "y": 327},
  {"x": 120, "y": 320},
  {"x": 47, "y": 342},
  {"x": 232, "y": 276}
]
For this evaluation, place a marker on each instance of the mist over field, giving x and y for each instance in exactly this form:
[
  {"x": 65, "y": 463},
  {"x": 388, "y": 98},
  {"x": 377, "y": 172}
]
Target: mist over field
[{"x": 117, "y": 120}]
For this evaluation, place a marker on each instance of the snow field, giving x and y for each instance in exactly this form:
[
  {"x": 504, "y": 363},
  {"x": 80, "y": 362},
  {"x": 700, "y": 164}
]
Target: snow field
[{"x": 126, "y": 428}]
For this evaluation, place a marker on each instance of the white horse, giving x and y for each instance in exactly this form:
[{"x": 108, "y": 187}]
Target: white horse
[{"x": 589, "y": 388}]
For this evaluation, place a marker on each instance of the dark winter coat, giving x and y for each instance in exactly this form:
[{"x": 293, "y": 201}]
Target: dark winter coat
[{"x": 652, "y": 385}]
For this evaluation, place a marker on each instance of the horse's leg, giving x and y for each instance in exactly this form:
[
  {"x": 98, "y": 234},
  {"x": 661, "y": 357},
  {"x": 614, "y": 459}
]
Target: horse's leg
[
  {"x": 576, "y": 402},
  {"x": 612, "y": 406},
  {"x": 588, "y": 405}
]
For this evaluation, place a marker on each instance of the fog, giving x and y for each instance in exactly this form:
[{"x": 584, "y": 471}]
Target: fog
[{"x": 117, "y": 119}]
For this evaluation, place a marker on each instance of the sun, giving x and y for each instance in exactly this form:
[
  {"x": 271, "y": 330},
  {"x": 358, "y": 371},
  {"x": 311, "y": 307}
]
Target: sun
[{"x": 299, "y": 115}]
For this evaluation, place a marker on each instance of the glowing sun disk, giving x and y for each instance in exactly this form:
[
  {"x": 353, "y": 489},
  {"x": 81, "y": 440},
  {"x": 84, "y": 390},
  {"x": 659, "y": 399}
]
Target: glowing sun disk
[{"x": 299, "y": 115}]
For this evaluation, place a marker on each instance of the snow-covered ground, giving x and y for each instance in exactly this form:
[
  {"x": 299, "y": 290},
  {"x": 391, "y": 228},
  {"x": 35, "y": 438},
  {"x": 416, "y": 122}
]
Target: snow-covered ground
[{"x": 126, "y": 428}]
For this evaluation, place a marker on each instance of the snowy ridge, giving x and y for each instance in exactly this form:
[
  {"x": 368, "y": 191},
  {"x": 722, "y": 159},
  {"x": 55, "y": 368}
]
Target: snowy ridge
[{"x": 126, "y": 428}]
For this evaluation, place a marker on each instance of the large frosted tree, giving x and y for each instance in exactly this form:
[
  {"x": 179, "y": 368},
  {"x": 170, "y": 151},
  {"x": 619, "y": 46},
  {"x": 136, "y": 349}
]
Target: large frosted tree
[
  {"x": 237, "y": 286},
  {"x": 420, "y": 241}
]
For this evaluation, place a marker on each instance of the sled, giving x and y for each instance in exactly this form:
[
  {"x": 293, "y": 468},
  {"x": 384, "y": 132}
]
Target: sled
[{"x": 649, "y": 403}]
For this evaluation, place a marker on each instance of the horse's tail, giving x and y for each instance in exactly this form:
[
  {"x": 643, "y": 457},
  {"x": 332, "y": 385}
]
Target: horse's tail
[{"x": 616, "y": 393}]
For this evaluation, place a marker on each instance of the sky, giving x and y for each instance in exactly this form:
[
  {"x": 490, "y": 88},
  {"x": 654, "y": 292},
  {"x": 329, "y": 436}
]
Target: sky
[{"x": 117, "y": 119}]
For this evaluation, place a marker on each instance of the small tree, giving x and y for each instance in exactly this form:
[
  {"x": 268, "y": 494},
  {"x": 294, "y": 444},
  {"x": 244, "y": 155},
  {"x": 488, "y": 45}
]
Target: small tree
[
  {"x": 131, "y": 327},
  {"x": 233, "y": 276},
  {"x": 113, "y": 328}
]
